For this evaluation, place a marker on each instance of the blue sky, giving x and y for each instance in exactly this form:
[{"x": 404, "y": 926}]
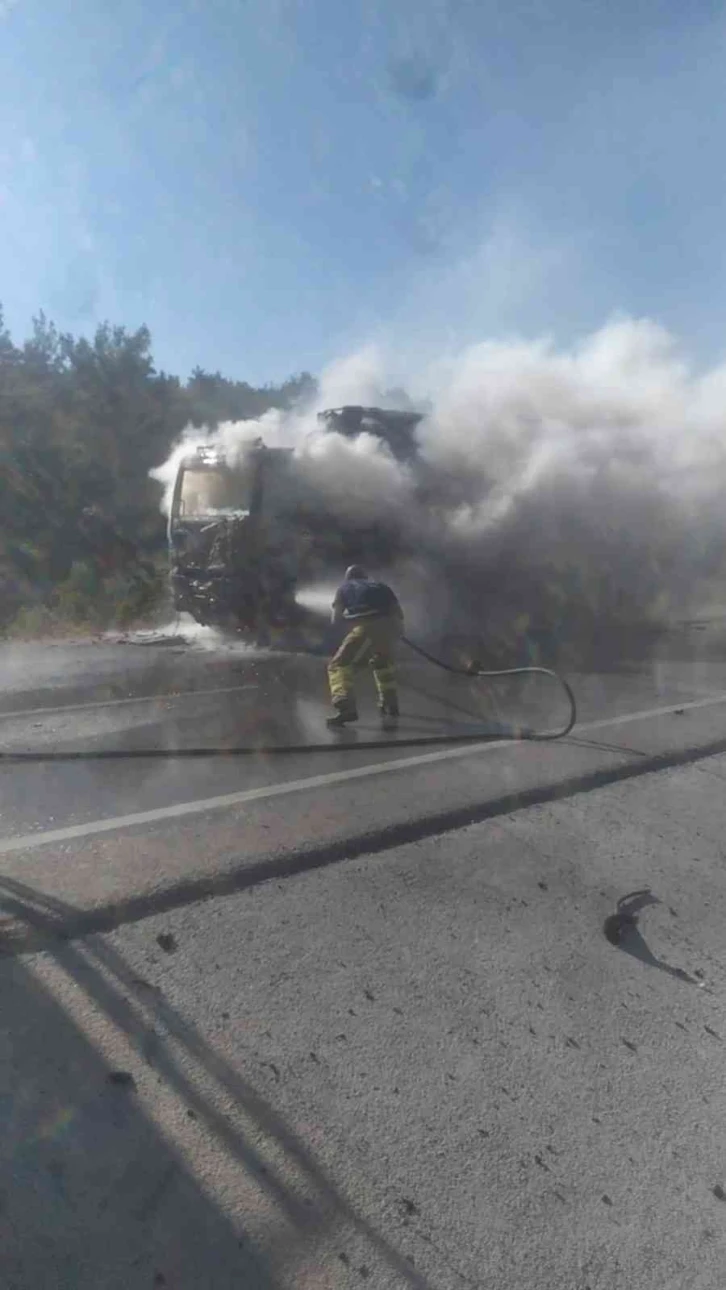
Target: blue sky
[{"x": 270, "y": 183}]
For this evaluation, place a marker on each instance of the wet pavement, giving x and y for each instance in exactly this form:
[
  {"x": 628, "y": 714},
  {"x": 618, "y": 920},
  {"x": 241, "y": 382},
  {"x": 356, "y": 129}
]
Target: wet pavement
[
  {"x": 219, "y": 693},
  {"x": 175, "y": 694},
  {"x": 350, "y": 1016},
  {"x": 172, "y": 692}
]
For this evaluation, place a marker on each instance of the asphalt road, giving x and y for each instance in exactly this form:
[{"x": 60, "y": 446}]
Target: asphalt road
[{"x": 296, "y": 1020}]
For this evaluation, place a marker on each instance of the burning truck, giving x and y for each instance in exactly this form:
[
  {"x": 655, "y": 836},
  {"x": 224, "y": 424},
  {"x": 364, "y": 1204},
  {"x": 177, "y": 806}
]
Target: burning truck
[{"x": 243, "y": 535}]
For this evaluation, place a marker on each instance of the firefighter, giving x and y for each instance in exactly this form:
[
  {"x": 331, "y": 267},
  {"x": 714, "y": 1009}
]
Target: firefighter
[{"x": 375, "y": 618}]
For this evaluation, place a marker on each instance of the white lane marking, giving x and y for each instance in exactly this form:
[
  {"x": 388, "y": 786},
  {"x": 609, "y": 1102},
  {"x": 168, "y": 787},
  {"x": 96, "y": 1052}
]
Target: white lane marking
[
  {"x": 711, "y": 701},
  {"x": 117, "y": 703},
  {"x": 178, "y": 810},
  {"x": 236, "y": 799}
]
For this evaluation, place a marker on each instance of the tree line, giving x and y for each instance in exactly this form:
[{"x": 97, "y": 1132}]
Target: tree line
[{"x": 82, "y": 422}]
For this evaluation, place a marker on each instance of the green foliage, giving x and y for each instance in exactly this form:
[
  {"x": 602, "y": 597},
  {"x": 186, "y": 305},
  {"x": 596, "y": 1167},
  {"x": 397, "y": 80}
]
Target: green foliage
[{"x": 81, "y": 424}]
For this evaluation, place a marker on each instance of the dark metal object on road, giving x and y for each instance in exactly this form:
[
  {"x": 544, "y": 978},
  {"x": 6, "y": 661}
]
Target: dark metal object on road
[
  {"x": 624, "y": 921},
  {"x": 122, "y": 1079},
  {"x": 621, "y": 929}
]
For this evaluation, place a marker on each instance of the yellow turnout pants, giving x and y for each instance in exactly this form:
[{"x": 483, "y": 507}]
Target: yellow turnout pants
[{"x": 371, "y": 641}]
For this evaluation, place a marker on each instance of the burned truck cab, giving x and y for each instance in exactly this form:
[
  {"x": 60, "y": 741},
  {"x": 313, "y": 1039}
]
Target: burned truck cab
[
  {"x": 230, "y": 565},
  {"x": 244, "y": 531}
]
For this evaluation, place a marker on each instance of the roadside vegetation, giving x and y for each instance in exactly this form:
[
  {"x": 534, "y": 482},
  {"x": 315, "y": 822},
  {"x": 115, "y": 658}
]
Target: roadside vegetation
[{"x": 82, "y": 421}]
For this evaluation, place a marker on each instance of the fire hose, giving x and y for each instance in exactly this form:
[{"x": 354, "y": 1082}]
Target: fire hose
[
  {"x": 475, "y": 671},
  {"x": 334, "y": 744}
]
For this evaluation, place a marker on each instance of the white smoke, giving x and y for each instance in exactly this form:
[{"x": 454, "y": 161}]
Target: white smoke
[
  {"x": 357, "y": 479},
  {"x": 551, "y": 479},
  {"x": 231, "y": 438}
]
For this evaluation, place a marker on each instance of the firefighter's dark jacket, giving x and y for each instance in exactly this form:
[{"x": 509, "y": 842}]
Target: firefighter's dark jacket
[{"x": 359, "y": 598}]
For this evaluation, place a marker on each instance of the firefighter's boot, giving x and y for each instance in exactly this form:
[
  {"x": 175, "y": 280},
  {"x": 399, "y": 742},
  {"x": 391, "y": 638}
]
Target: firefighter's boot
[
  {"x": 345, "y": 715},
  {"x": 389, "y": 712}
]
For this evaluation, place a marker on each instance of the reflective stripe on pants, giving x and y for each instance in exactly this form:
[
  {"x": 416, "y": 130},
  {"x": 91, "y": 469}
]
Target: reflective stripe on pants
[{"x": 373, "y": 642}]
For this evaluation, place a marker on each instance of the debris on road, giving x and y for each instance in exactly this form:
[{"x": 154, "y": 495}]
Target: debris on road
[{"x": 122, "y": 1079}]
